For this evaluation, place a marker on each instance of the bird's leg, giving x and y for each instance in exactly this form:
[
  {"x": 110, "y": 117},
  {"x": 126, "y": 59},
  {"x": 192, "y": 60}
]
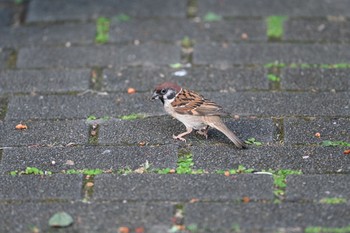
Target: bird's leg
[
  {"x": 204, "y": 132},
  {"x": 180, "y": 136}
]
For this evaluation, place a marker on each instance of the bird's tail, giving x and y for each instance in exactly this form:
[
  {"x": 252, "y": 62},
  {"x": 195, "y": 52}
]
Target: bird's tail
[{"x": 219, "y": 125}]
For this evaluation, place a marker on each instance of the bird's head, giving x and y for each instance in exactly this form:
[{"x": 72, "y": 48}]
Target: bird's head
[{"x": 166, "y": 91}]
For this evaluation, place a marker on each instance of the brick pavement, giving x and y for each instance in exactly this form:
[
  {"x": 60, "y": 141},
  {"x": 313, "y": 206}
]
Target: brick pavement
[{"x": 108, "y": 158}]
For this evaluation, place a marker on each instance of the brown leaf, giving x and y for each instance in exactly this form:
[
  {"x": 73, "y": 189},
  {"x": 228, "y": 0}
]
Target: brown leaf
[
  {"x": 123, "y": 230},
  {"x": 346, "y": 152},
  {"x": 21, "y": 126},
  {"x": 131, "y": 90}
]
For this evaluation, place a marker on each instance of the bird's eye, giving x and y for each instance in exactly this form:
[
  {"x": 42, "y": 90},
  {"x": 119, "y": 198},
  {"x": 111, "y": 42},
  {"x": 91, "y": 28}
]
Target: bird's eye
[{"x": 163, "y": 91}]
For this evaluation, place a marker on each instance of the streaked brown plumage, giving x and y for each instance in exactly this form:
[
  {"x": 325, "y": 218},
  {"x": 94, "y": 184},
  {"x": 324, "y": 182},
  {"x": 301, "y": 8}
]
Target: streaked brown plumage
[{"x": 193, "y": 110}]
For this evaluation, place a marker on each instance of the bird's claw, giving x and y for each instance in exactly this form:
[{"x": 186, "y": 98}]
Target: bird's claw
[{"x": 180, "y": 138}]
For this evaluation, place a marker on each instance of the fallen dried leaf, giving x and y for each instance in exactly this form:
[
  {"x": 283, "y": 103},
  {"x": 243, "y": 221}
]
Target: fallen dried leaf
[
  {"x": 142, "y": 143},
  {"x": 245, "y": 199},
  {"x": 21, "y": 126},
  {"x": 140, "y": 170},
  {"x": 244, "y": 36},
  {"x": 227, "y": 173},
  {"x": 123, "y": 230},
  {"x": 140, "y": 230},
  {"x": 70, "y": 162},
  {"x": 317, "y": 135},
  {"x": 194, "y": 200},
  {"x": 93, "y": 133},
  {"x": 131, "y": 90},
  {"x": 346, "y": 152},
  {"x": 89, "y": 184},
  {"x": 172, "y": 171}
]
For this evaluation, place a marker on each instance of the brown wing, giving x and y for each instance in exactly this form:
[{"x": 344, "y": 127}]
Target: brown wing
[{"x": 191, "y": 103}]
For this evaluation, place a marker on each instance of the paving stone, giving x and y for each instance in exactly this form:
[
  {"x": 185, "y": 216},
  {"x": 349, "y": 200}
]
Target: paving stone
[
  {"x": 4, "y": 56},
  {"x": 88, "y": 158},
  {"x": 80, "y": 56},
  {"x": 30, "y": 81},
  {"x": 251, "y": 8},
  {"x": 6, "y": 15},
  {"x": 283, "y": 103},
  {"x": 159, "y": 130},
  {"x": 309, "y": 160},
  {"x": 317, "y": 187},
  {"x": 216, "y": 216},
  {"x": 183, "y": 187},
  {"x": 213, "y": 53},
  {"x": 88, "y": 217},
  {"x": 158, "y": 30},
  {"x": 82, "y": 10},
  {"x": 45, "y": 107},
  {"x": 32, "y": 187},
  {"x": 315, "y": 79},
  {"x": 199, "y": 79},
  {"x": 59, "y": 34},
  {"x": 317, "y": 30},
  {"x": 44, "y": 133},
  {"x": 300, "y": 131}
]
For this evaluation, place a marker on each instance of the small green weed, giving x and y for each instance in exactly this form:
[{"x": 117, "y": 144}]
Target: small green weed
[
  {"x": 102, "y": 30},
  {"x": 253, "y": 141},
  {"x": 186, "y": 42},
  {"x": 335, "y": 143},
  {"x": 122, "y": 17},
  {"x": 132, "y": 116},
  {"x": 30, "y": 171},
  {"x": 279, "y": 179},
  {"x": 275, "y": 26},
  {"x": 124, "y": 171},
  {"x": 327, "y": 229},
  {"x": 275, "y": 64},
  {"x": 333, "y": 200},
  {"x": 185, "y": 164},
  {"x": 273, "y": 78},
  {"x": 240, "y": 170},
  {"x": 212, "y": 17},
  {"x": 91, "y": 118},
  {"x": 90, "y": 172},
  {"x": 176, "y": 65}
]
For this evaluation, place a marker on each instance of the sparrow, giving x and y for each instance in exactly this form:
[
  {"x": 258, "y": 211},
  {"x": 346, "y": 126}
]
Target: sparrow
[{"x": 193, "y": 110}]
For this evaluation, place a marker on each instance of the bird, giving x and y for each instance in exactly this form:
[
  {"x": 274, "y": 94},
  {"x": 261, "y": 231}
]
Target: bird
[{"x": 193, "y": 110}]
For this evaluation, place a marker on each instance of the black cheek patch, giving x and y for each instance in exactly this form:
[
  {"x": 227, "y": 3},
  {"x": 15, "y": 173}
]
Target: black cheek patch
[{"x": 171, "y": 96}]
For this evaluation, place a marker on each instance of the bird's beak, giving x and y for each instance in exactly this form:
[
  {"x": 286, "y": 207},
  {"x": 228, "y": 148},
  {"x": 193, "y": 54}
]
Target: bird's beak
[{"x": 154, "y": 96}]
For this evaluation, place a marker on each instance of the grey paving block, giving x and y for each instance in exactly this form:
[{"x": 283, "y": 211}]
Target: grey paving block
[
  {"x": 300, "y": 131},
  {"x": 158, "y": 30},
  {"x": 35, "y": 187},
  {"x": 159, "y": 130},
  {"x": 46, "y": 107},
  {"x": 82, "y": 10},
  {"x": 104, "y": 158},
  {"x": 44, "y": 133},
  {"x": 317, "y": 187},
  {"x": 199, "y": 79},
  {"x": 217, "y": 216},
  {"x": 315, "y": 79},
  {"x": 156, "y": 130},
  {"x": 59, "y": 34},
  {"x": 205, "y": 53},
  {"x": 80, "y": 56},
  {"x": 4, "y": 56},
  {"x": 183, "y": 187},
  {"x": 6, "y": 15},
  {"x": 309, "y": 160},
  {"x": 312, "y": 8},
  {"x": 317, "y": 30},
  {"x": 88, "y": 217},
  {"x": 283, "y": 103},
  {"x": 30, "y": 81}
]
